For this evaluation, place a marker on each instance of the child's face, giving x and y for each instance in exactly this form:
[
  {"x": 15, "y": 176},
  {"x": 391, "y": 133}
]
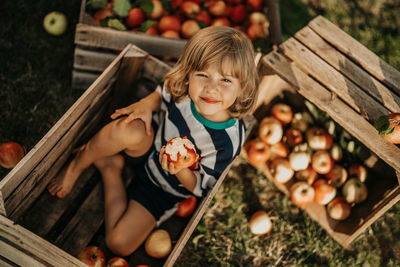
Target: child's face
[{"x": 213, "y": 92}]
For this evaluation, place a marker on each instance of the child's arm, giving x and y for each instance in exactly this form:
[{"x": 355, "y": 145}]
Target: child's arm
[{"x": 142, "y": 109}]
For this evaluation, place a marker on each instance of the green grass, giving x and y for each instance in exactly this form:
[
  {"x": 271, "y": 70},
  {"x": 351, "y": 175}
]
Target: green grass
[{"x": 35, "y": 91}]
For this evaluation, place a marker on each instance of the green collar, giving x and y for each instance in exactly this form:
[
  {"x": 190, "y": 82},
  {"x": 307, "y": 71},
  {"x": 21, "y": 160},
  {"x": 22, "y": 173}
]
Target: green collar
[{"x": 211, "y": 124}]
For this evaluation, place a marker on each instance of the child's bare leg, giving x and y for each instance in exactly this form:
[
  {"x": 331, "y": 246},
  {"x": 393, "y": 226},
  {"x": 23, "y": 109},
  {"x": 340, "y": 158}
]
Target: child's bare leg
[
  {"x": 110, "y": 140},
  {"x": 127, "y": 223}
]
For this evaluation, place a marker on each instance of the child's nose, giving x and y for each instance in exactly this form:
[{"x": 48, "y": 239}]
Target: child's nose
[{"x": 212, "y": 85}]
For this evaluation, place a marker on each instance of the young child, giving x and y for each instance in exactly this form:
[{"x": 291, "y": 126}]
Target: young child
[{"x": 212, "y": 86}]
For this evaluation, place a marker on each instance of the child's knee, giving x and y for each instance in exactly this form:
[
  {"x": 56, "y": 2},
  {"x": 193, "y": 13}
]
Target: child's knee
[{"x": 119, "y": 244}]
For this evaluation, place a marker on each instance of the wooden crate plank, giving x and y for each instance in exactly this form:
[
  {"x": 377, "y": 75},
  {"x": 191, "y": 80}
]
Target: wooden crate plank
[
  {"x": 95, "y": 36},
  {"x": 353, "y": 72},
  {"x": 83, "y": 79},
  {"x": 36, "y": 154},
  {"x": 333, "y": 80},
  {"x": 18, "y": 257},
  {"x": 92, "y": 60},
  {"x": 336, "y": 108},
  {"x": 31, "y": 244},
  {"x": 356, "y": 51}
]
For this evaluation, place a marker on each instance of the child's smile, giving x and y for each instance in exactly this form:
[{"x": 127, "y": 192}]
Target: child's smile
[{"x": 213, "y": 92}]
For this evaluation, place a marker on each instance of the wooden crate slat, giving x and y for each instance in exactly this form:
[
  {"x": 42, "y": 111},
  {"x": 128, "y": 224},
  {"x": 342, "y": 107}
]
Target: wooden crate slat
[
  {"x": 356, "y": 51},
  {"x": 92, "y": 60},
  {"x": 332, "y": 79},
  {"x": 32, "y": 186},
  {"x": 352, "y": 71},
  {"x": 95, "y": 36},
  {"x": 336, "y": 108},
  {"x": 82, "y": 79},
  {"x": 26, "y": 241},
  {"x": 18, "y": 173},
  {"x": 18, "y": 257}
]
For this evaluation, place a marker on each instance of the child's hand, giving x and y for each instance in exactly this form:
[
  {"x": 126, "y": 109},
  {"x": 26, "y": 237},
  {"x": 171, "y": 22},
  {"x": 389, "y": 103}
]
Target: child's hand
[
  {"x": 165, "y": 164},
  {"x": 137, "y": 110}
]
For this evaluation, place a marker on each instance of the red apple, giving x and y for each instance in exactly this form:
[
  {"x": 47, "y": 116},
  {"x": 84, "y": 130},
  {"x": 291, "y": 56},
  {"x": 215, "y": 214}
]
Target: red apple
[
  {"x": 190, "y": 9},
  {"x": 293, "y": 136},
  {"x": 221, "y": 21},
  {"x": 299, "y": 160},
  {"x": 337, "y": 176},
  {"x": 309, "y": 175},
  {"x": 171, "y": 34},
  {"x": 175, "y": 4},
  {"x": 102, "y": 14},
  {"x": 281, "y": 170},
  {"x": 256, "y": 31},
  {"x": 117, "y": 262},
  {"x": 152, "y": 30},
  {"x": 319, "y": 138},
  {"x": 301, "y": 194},
  {"x": 354, "y": 191},
  {"x": 157, "y": 10},
  {"x": 258, "y": 18},
  {"x": 255, "y": 4},
  {"x": 324, "y": 192},
  {"x": 169, "y": 23},
  {"x": 218, "y": 8},
  {"x": 238, "y": 13},
  {"x": 258, "y": 152},
  {"x": 189, "y": 28},
  {"x": 135, "y": 17},
  {"x": 181, "y": 152},
  {"x": 204, "y": 17},
  {"x": 358, "y": 171},
  {"x": 394, "y": 121},
  {"x": 260, "y": 223},
  {"x": 322, "y": 162},
  {"x": 186, "y": 207},
  {"x": 10, "y": 154},
  {"x": 158, "y": 244},
  {"x": 278, "y": 150},
  {"x": 338, "y": 209},
  {"x": 92, "y": 256},
  {"x": 282, "y": 112},
  {"x": 270, "y": 130}
]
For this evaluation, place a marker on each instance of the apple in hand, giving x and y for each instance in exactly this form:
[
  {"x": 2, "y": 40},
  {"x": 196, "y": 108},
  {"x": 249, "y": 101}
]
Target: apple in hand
[
  {"x": 281, "y": 170},
  {"x": 337, "y": 176},
  {"x": 260, "y": 223},
  {"x": 258, "y": 152},
  {"x": 158, "y": 244},
  {"x": 354, "y": 191},
  {"x": 301, "y": 194},
  {"x": 92, "y": 256},
  {"x": 186, "y": 207},
  {"x": 324, "y": 192},
  {"x": 181, "y": 152},
  {"x": 117, "y": 262},
  {"x": 55, "y": 23},
  {"x": 10, "y": 154},
  {"x": 319, "y": 138},
  {"x": 322, "y": 162},
  {"x": 270, "y": 130}
]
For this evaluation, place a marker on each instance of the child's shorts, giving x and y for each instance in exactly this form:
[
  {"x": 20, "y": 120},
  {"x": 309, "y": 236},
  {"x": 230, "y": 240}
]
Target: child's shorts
[{"x": 162, "y": 205}]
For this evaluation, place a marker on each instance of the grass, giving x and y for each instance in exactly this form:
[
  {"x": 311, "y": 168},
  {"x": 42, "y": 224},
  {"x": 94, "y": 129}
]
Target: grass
[{"x": 35, "y": 91}]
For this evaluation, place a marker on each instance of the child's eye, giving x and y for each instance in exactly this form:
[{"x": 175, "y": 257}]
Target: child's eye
[
  {"x": 201, "y": 75},
  {"x": 226, "y": 80}
]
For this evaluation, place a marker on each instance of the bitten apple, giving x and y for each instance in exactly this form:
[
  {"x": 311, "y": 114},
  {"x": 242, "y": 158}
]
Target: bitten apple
[
  {"x": 158, "y": 244},
  {"x": 324, "y": 192},
  {"x": 181, "y": 152},
  {"x": 338, "y": 209},
  {"x": 260, "y": 223},
  {"x": 186, "y": 207},
  {"x": 281, "y": 170},
  {"x": 10, "y": 154},
  {"x": 92, "y": 256},
  {"x": 301, "y": 194},
  {"x": 322, "y": 162},
  {"x": 354, "y": 191},
  {"x": 319, "y": 138},
  {"x": 117, "y": 262},
  {"x": 270, "y": 130},
  {"x": 337, "y": 176}
]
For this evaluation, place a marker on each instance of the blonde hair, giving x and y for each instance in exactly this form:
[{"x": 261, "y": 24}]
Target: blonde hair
[{"x": 217, "y": 44}]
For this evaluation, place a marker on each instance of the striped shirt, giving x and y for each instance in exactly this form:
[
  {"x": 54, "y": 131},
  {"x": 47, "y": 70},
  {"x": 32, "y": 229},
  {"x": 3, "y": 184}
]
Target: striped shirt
[{"x": 217, "y": 144}]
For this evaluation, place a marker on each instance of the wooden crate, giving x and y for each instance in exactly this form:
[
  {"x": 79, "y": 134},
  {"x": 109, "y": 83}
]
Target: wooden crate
[
  {"x": 39, "y": 229},
  {"x": 354, "y": 87}
]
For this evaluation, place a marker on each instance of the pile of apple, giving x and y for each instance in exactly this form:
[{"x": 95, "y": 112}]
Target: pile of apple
[
  {"x": 181, "y": 18},
  {"x": 302, "y": 152}
]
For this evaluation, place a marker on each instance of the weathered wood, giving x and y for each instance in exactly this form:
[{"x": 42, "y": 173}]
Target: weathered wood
[
  {"x": 333, "y": 80},
  {"x": 82, "y": 79},
  {"x": 336, "y": 108},
  {"x": 345, "y": 66},
  {"x": 357, "y": 52},
  {"x": 275, "y": 21},
  {"x": 32, "y": 246},
  {"x": 92, "y": 60}
]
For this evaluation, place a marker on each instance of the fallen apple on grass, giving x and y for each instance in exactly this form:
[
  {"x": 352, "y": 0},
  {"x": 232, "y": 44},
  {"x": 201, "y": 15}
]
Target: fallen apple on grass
[
  {"x": 10, "y": 154},
  {"x": 260, "y": 223},
  {"x": 117, "y": 262},
  {"x": 158, "y": 244},
  {"x": 55, "y": 23},
  {"x": 92, "y": 256},
  {"x": 186, "y": 207}
]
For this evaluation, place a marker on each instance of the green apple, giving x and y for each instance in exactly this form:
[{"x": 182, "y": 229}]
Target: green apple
[{"x": 55, "y": 23}]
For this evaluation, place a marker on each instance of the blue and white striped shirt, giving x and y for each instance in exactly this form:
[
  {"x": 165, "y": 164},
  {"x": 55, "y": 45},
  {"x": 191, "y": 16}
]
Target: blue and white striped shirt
[{"x": 216, "y": 143}]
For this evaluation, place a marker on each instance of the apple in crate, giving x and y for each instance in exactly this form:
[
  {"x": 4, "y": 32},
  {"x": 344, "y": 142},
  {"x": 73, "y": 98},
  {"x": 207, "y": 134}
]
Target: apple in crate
[
  {"x": 278, "y": 150},
  {"x": 181, "y": 152},
  {"x": 135, "y": 17},
  {"x": 281, "y": 170},
  {"x": 92, "y": 256},
  {"x": 117, "y": 262},
  {"x": 301, "y": 194},
  {"x": 158, "y": 244},
  {"x": 260, "y": 223},
  {"x": 221, "y": 21},
  {"x": 354, "y": 191},
  {"x": 338, "y": 209},
  {"x": 190, "y": 9},
  {"x": 337, "y": 176},
  {"x": 270, "y": 130},
  {"x": 358, "y": 171},
  {"x": 171, "y": 23},
  {"x": 238, "y": 13},
  {"x": 218, "y": 8},
  {"x": 309, "y": 175},
  {"x": 389, "y": 127},
  {"x": 322, "y": 162},
  {"x": 10, "y": 154},
  {"x": 282, "y": 112},
  {"x": 336, "y": 152},
  {"x": 55, "y": 23},
  {"x": 319, "y": 138},
  {"x": 324, "y": 192},
  {"x": 293, "y": 136},
  {"x": 189, "y": 28},
  {"x": 157, "y": 10},
  {"x": 186, "y": 207},
  {"x": 299, "y": 160},
  {"x": 258, "y": 152}
]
